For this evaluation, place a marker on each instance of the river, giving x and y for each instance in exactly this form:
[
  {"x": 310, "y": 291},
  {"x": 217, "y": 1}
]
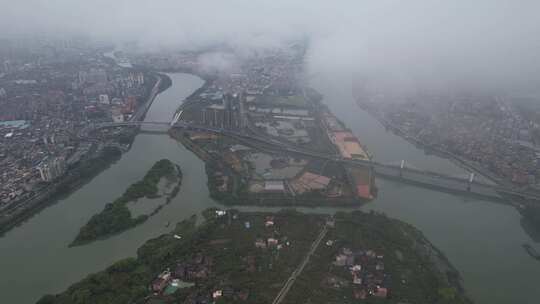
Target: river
[
  {"x": 482, "y": 239},
  {"x": 34, "y": 257}
]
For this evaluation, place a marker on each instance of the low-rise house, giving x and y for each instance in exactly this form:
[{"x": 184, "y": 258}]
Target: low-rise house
[
  {"x": 259, "y": 243},
  {"x": 159, "y": 284},
  {"x": 272, "y": 242},
  {"x": 381, "y": 293}
]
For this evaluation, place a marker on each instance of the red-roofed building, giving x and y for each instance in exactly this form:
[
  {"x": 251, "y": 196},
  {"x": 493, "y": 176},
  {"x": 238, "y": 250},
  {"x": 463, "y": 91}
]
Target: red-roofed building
[
  {"x": 381, "y": 292},
  {"x": 363, "y": 191}
]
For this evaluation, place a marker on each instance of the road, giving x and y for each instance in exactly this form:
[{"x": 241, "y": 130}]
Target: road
[
  {"x": 290, "y": 281},
  {"x": 419, "y": 177},
  {"x": 141, "y": 111}
]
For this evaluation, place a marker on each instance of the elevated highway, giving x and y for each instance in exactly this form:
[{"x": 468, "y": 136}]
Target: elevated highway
[{"x": 432, "y": 180}]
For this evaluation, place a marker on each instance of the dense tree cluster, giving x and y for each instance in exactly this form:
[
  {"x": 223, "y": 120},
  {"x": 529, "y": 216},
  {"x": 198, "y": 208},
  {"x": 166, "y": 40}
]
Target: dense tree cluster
[
  {"x": 127, "y": 280},
  {"x": 116, "y": 216},
  {"x": 414, "y": 273}
]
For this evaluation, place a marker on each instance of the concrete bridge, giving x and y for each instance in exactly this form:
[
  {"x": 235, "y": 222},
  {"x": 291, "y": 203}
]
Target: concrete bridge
[
  {"x": 440, "y": 182},
  {"x": 132, "y": 123}
]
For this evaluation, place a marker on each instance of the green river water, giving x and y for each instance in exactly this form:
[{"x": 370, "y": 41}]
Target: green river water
[{"x": 482, "y": 239}]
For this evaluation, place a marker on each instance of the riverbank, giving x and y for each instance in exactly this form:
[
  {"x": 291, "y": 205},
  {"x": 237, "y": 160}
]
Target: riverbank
[
  {"x": 264, "y": 248},
  {"x": 532, "y": 251},
  {"x": 526, "y": 208},
  {"x": 70, "y": 182},
  {"x": 459, "y": 161},
  {"x": 283, "y": 122},
  {"x": 95, "y": 162},
  {"x": 481, "y": 250},
  {"x": 161, "y": 83},
  {"x": 41, "y": 244},
  {"x": 214, "y": 168}
]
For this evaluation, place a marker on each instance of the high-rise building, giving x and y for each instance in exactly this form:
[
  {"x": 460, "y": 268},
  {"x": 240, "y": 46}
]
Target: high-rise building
[
  {"x": 104, "y": 99},
  {"x": 7, "y": 66},
  {"x": 52, "y": 168},
  {"x": 82, "y": 77}
]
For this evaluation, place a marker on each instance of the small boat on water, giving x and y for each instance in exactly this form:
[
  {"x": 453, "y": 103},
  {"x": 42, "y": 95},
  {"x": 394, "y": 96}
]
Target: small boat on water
[
  {"x": 532, "y": 251},
  {"x": 167, "y": 224}
]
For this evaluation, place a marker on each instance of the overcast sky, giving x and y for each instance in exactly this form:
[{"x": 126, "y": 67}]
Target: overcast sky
[{"x": 485, "y": 43}]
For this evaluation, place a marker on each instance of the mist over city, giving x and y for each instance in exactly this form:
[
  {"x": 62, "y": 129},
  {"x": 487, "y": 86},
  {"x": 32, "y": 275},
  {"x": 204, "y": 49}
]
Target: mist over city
[
  {"x": 257, "y": 151},
  {"x": 482, "y": 43}
]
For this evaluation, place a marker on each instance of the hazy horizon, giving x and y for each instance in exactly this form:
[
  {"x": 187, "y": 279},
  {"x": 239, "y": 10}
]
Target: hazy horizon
[{"x": 479, "y": 44}]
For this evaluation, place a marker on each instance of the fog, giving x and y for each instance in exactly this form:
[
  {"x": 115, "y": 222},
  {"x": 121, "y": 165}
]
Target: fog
[{"x": 466, "y": 44}]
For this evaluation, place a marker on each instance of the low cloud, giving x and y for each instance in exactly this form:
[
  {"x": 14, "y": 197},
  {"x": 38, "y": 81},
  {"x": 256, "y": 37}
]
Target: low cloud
[
  {"x": 469, "y": 44},
  {"x": 218, "y": 62}
]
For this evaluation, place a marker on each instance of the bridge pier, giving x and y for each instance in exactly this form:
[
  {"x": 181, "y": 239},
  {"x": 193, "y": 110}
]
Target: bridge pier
[{"x": 471, "y": 178}]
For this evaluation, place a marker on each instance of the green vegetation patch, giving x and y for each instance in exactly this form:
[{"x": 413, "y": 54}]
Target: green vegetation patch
[
  {"x": 127, "y": 280},
  {"x": 116, "y": 216},
  {"x": 402, "y": 262},
  {"x": 239, "y": 257}
]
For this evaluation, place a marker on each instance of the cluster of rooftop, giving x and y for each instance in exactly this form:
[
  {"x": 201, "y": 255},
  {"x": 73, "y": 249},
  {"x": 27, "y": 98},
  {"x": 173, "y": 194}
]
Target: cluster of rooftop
[
  {"x": 367, "y": 273},
  {"x": 263, "y": 98},
  {"x": 493, "y": 135},
  {"x": 49, "y": 102}
]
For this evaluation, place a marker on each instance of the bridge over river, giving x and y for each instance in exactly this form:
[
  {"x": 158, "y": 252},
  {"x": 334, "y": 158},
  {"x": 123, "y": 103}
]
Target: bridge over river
[{"x": 440, "y": 182}]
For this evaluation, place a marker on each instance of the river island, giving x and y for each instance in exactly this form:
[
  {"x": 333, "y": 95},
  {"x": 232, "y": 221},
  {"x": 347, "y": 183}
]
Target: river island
[
  {"x": 162, "y": 179},
  {"x": 285, "y": 257},
  {"x": 267, "y": 139}
]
